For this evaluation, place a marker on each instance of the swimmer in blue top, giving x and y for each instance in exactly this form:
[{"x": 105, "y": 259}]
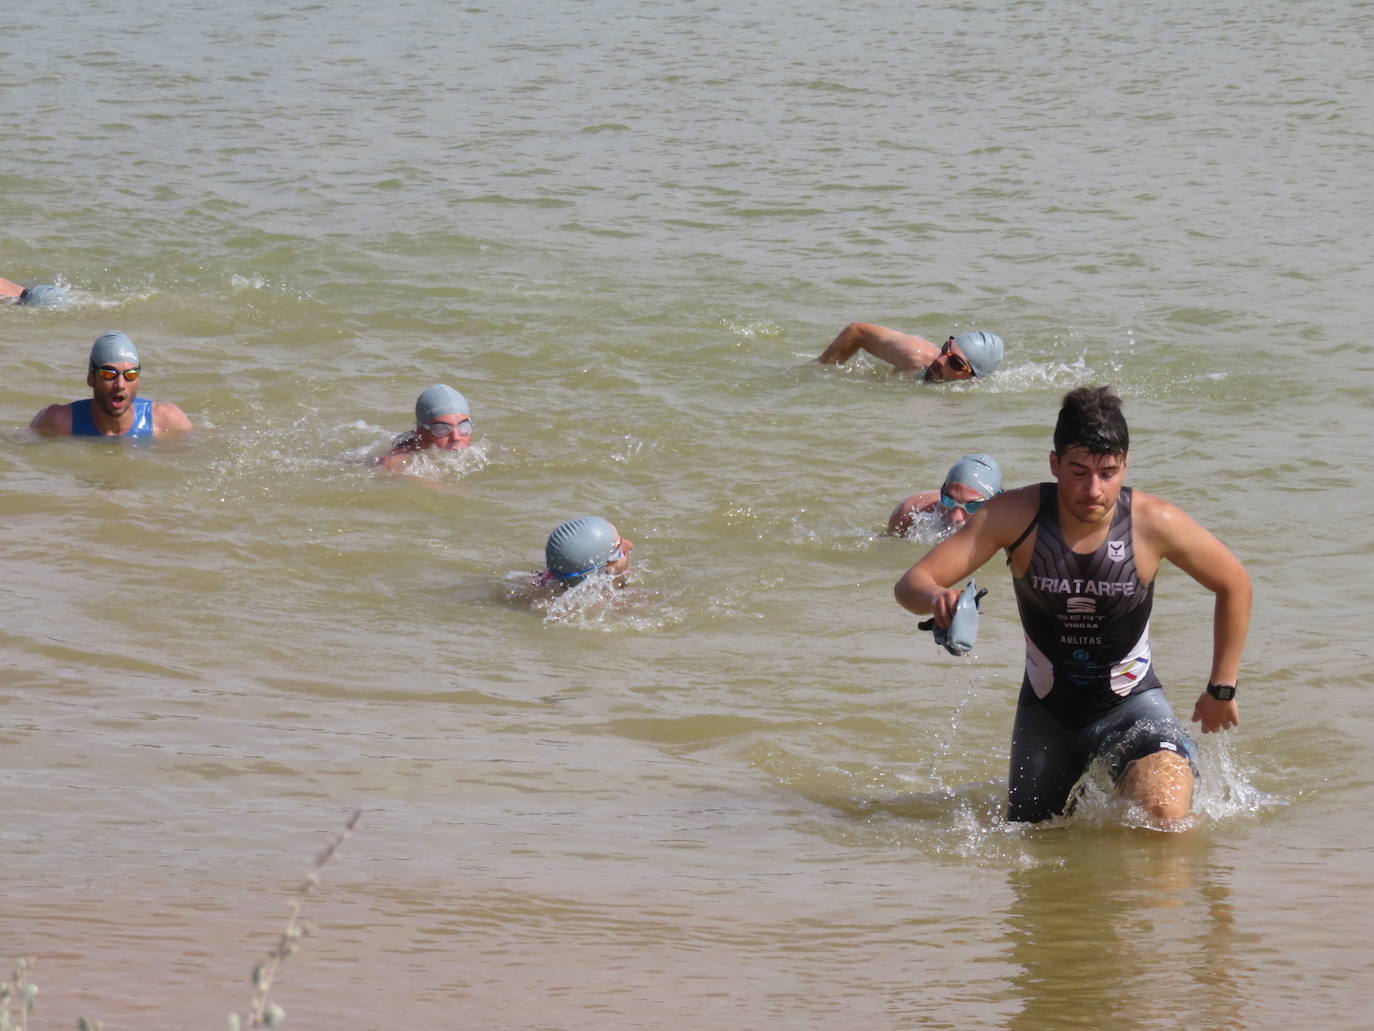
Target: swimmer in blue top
[
  {"x": 1084, "y": 552},
  {"x": 114, "y": 409},
  {"x": 968, "y": 356},
  {"x": 442, "y": 421}
]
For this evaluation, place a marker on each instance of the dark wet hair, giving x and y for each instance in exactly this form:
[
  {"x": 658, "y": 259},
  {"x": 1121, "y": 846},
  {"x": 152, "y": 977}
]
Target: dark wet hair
[{"x": 1091, "y": 418}]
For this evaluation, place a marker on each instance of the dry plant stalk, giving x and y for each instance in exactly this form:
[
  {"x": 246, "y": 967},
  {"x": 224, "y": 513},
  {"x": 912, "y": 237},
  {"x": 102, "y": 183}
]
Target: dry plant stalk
[
  {"x": 17, "y": 991},
  {"x": 263, "y": 1013}
]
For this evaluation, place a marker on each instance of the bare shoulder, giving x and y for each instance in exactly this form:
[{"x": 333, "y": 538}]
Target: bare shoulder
[
  {"x": 1013, "y": 509},
  {"x": 904, "y": 515},
  {"x": 396, "y": 458},
  {"x": 1161, "y": 520},
  {"x": 56, "y": 419},
  {"x": 998, "y": 523},
  {"x": 168, "y": 418},
  {"x": 1163, "y": 530},
  {"x": 924, "y": 501}
]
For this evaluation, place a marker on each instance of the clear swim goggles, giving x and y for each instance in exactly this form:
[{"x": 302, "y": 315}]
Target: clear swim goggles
[
  {"x": 968, "y": 506},
  {"x": 445, "y": 429}
]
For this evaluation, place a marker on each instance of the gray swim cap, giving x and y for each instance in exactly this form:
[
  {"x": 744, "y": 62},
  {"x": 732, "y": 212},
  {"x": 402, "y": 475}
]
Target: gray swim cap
[
  {"x": 439, "y": 400},
  {"x": 579, "y": 548},
  {"x": 44, "y": 296},
  {"x": 113, "y": 347},
  {"x": 983, "y": 351},
  {"x": 981, "y": 472}
]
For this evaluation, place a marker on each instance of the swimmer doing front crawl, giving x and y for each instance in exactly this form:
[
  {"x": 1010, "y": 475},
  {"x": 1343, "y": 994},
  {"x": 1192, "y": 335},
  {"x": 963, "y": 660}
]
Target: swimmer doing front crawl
[
  {"x": 41, "y": 295},
  {"x": 967, "y": 356},
  {"x": 442, "y": 422},
  {"x": 582, "y": 548},
  {"x": 968, "y": 486},
  {"x": 1084, "y": 551}
]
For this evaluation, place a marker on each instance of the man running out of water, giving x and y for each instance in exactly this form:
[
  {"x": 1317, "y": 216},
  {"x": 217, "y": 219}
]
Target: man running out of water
[
  {"x": 968, "y": 356},
  {"x": 1084, "y": 551},
  {"x": 969, "y": 484},
  {"x": 114, "y": 408},
  {"x": 442, "y": 422}
]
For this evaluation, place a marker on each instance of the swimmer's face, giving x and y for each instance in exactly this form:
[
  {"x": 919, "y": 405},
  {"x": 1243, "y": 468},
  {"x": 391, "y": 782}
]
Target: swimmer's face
[
  {"x": 114, "y": 395},
  {"x": 1089, "y": 484},
  {"x": 963, "y": 495},
  {"x": 950, "y": 365},
  {"x": 620, "y": 562},
  {"x": 446, "y": 432}
]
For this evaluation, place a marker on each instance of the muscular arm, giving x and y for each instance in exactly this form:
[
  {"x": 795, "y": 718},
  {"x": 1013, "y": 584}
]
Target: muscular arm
[
  {"x": 899, "y": 522},
  {"x": 54, "y": 421},
  {"x": 905, "y": 352},
  {"x": 395, "y": 460},
  {"x": 927, "y": 587},
  {"x": 168, "y": 418},
  {"x": 1176, "y": 536},
  {"x": 8, "y": 289}
]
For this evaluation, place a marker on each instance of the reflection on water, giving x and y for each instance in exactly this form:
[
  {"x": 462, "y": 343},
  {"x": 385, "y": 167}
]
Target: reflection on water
[{"x": 1125, "y": 930}]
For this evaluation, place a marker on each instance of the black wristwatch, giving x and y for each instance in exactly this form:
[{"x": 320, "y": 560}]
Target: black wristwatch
[{"x": 1221, "y": 692}]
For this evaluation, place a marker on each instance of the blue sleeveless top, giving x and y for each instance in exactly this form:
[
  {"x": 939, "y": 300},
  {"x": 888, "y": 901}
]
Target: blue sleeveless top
[{"x": 83, "y": 425}]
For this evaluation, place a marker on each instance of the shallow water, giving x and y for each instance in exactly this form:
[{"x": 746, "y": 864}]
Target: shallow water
[{"x": 748, "y": 793}]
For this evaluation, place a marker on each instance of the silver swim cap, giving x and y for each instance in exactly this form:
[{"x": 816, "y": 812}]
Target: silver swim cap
[
  {"x": 439, "y": 400},
  {"x": 113, "y": 347},
  {"x": 44, "y": 296},
  {"x": 579, "y": 548},
  {"x": 981, "y": 472},
  {"x": 983, "y": 351}
]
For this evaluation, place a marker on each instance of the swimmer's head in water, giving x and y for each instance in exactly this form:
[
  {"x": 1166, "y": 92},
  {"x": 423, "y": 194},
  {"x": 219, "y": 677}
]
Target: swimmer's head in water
[
  {"x": 982, "y": 350},
  {"x": 981, "y": 472},
  {"x": 581, "y": 547},
  {"x": 439, "y": 400},
  {"x": 44, "y": 295},
  {"x": 111, "y": 349}
]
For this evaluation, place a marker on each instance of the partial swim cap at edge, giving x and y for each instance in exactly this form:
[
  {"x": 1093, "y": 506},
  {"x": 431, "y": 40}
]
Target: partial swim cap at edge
[
  {"x": 980, "y": 472},
  {"x": 113, "y": 347},
  {"x": 983, "y": 351},
  {"x": 44, "y": 295},
  {"x": 439, "y": 400},
  {"x": 579, "y": 548}
]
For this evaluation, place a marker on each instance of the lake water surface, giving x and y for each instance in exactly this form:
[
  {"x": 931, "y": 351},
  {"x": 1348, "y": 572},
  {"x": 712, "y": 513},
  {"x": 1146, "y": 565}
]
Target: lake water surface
[{"x": 748, "y": 794}]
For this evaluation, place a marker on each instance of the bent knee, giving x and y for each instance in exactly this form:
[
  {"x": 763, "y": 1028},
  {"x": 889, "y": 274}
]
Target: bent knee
[{"x": 1162, "y": 783}]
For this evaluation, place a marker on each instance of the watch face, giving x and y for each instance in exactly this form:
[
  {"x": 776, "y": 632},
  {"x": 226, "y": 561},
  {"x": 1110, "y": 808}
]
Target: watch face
[{"x": 1221, "y": 692}]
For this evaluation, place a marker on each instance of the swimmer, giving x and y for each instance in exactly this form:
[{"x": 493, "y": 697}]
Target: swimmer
[
  {"x": 968, "y": 485},
  {"x": 967, "y": 356},
  {"x": 44, "y": 295},
  {"x": 442, "y": 422},
  {"x": 114, "y": 409},
  {"x": 1084, "y": 553},
  {"x": 584, "y": 547}
]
